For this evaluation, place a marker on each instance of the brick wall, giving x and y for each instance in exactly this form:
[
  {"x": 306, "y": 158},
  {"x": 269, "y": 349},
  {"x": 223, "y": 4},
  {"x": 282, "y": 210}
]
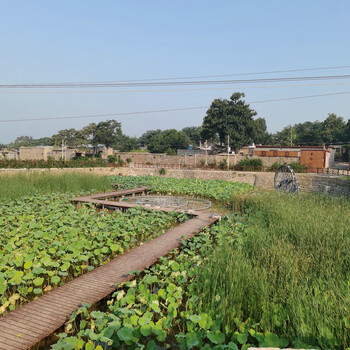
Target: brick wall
[{"x": 160, "y": 158}]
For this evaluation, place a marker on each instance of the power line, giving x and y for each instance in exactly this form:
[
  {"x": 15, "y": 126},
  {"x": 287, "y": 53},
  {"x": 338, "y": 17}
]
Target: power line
[
  {"x": 164, "y": 110},
  {"x": 176, "y": 83},
  {"x": 167, "y": 90},
  {"x": 239, "y": 74},
  {"x": 213, "y": 76}
]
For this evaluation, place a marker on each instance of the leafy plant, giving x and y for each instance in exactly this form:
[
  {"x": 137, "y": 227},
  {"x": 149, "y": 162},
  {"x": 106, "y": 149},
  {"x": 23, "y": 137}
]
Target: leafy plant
[
  {"x": 218, "y": 190},
  {"x": 249, "y": 164},
  {"x": 162, "y": 171},
  {"x": 46, "y": 241}
]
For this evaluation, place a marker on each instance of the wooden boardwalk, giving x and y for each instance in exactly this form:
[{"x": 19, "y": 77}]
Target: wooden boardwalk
[{"x": 26, "y": 326}]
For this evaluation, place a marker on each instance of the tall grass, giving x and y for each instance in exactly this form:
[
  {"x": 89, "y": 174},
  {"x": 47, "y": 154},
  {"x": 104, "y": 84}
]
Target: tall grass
[
  {"x": 289, "y": 272},
  {"x": 17, "y": 185}
]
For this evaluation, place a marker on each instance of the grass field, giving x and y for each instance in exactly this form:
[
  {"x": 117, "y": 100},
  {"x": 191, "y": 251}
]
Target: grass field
[
  {"x": 274, "y": 272},
  {"x": 275, "y": 275},
  {"x": 17, "y": 185},
  {"x": 289, "y": 272}
]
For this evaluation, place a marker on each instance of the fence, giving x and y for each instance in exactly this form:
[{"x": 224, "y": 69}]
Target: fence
[{"x": 329, "y": 171}]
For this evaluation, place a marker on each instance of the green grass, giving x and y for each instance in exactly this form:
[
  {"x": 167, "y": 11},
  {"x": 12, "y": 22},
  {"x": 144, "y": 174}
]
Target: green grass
[
  {"x": 17, "y": 185},
  {"x": 289, "y": 272}
]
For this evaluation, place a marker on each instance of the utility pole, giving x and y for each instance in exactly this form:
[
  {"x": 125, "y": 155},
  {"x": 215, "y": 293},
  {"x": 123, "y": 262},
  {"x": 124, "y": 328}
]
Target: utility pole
[
  {"x": 291, "y": 135},
  {"x": 62, "y": 148},
  {"x": 228, "y": 152},
  {"x": 206, "y": 152}
]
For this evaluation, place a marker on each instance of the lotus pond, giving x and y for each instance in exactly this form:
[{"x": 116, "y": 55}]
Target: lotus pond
[{"x": 46, "y": 241}]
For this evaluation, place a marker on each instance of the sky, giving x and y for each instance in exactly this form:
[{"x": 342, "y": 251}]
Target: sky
[{"x": 61, "y": 41}]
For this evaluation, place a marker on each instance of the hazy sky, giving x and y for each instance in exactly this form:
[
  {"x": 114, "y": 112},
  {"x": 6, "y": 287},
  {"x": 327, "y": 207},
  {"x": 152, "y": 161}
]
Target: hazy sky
[{"x": 85, "y": 40}]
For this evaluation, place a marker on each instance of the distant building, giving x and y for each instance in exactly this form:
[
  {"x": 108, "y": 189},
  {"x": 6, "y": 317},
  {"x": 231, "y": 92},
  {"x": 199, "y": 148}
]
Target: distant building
[
  {"x": 313, "y": 157},
  {"x": 63, "y": 153},
  {"x": 8, "y": 154},
  {"x": 35, "y": 153}
]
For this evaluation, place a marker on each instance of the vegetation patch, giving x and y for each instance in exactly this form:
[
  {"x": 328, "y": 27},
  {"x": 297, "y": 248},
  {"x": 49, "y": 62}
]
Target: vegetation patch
[
  {"x": 51, "y": 163},
  {"x": 159, "y": 309},
  {"x": 288, "y": 274},
  {"x": 218, "y": 190},
  {"x": 276, "y": 276},
  {"x": 45, "y": 241},
  {"x": 14, "y": 186}
]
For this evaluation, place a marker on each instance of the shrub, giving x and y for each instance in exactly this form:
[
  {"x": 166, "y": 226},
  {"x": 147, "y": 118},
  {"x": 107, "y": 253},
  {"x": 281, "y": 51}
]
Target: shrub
[
  {"x": 170, "y": 152},
  {"x": 298, "y": 168},
  {"x": 223, "y": 165},
  {"x": 162, "y": 171},
  {"x": 254, "y": 164},
  {"x": 274, "y": 166},
  {"x": 112, "y": 158},
  {"x": 120, "y": 161}
]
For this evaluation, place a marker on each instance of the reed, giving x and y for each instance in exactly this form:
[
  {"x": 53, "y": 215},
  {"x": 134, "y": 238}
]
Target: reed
[
  {"x": 289, "y": 271},
  {"x": 17, "y": 185}
]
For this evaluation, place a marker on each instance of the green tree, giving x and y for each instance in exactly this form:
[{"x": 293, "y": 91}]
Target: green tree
[
  {"x": 88, "y": 132},
  {"x": 108, "y": 133},
  {"x": 231, "y": 117},
  {"x": 282, "y": 138},
  {"x": 261, "y": 135},
  {"x": 71, "y": 137},
  {"x": 193, "y": 133},
  {"x": 22, "y": 141},
  {"x": 308, "y": 134},
  {"x": 43, "y": 141},
  {"x": 168, "y": 141},
  {"x": 145, "y": 137},
  {"x": 334, "y": 129},
  {"x": 129, "y": 143}
]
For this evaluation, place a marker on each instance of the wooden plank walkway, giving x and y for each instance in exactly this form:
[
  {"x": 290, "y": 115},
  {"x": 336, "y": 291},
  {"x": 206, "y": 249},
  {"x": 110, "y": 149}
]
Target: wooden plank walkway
[
  {"x": 121, "y": 193},
  {"x": 26, "y": 326}
]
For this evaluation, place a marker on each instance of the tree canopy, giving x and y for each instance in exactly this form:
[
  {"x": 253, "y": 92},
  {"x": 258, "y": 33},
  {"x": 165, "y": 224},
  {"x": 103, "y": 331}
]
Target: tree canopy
[
  {"x": 194, "y": 134},
  {"x": 231, "y": 117},
  {"x": 332, "y": 130},
  {"x": 167, "y": 141},
  {"x": 108, "y": 133}
]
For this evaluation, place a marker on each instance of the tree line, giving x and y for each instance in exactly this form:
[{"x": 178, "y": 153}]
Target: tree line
[{"x": 228, "y": 122}]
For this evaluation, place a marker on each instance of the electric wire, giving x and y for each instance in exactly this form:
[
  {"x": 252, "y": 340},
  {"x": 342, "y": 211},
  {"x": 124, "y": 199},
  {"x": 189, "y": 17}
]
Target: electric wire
[
  {"x": 218, "y": 75},
  {"x": 163, "y": 110},
  {"x": 176, "y": 83},
  {"x": 167, "y": 90}
]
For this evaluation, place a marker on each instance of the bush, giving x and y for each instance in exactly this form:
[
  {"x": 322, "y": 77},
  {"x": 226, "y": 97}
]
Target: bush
[
  {"x": 274, "y": 166},
  {"x": 170, "y": 152},
  {"x": 298, "y": 168},
  {"x": 223, "y": 165},
  {"x": 120, "y": 161},
  {"x": 162, "y": 171},
  {"x": 112, "y": 158},
  {"x": 247, "y": 164}
]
